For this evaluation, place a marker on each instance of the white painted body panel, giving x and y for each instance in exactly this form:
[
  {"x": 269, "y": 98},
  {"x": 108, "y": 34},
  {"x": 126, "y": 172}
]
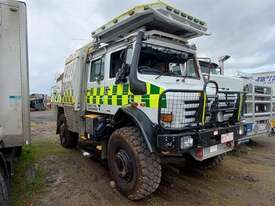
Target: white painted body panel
[
  {"x": 228, "y": 82},
  {"x": 14, "y": 104}
]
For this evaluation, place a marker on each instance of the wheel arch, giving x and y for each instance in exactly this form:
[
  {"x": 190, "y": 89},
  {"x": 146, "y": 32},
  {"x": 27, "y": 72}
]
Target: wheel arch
[{"x": 139, "y": 119}]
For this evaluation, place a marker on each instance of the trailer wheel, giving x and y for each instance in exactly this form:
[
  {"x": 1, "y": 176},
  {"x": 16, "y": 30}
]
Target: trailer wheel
[
  {"x": 4, "y": 197},
  {"x": 208, "y": 163},
  {"x": 136, "y": 171},
  {"x": 68, "y": 139}
]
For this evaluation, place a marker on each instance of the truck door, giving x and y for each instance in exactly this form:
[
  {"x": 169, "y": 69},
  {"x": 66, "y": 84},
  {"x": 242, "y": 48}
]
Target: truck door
[{"x": 95, "y": 84}]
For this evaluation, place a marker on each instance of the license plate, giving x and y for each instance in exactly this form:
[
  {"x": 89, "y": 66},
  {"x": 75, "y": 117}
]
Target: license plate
[{"x": 228, "y": 137}]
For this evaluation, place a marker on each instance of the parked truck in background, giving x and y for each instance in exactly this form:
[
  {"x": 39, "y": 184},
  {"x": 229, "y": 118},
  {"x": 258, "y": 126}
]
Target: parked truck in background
[
  {"x": 259, "y": 109},
  {"x": 267, "y": 79},
  {"x": 14, "y": 89},
  {"x": 135, "y": 96}
]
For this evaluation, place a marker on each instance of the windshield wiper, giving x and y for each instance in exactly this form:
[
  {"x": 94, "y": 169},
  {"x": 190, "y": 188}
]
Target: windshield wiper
[
  {"x": 163, "y": 73},
  {"x": 168, "y": 74}
]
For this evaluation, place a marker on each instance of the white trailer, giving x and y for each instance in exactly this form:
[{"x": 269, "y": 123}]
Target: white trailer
[{"x": 14, "y": 104}]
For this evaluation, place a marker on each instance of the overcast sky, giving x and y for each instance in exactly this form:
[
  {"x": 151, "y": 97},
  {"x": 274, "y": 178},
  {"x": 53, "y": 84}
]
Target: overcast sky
[{"x": 243, "y": 29}]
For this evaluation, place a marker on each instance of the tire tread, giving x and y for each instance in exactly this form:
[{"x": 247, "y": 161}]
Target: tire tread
[{"x": 150, "y": 177}]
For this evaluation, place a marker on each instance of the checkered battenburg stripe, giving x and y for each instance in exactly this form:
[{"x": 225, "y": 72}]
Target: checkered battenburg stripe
[{"x": 120, "y": 95}]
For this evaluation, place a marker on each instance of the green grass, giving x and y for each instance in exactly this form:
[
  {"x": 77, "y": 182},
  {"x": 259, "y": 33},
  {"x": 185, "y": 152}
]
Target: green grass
[{"x": 25, "y": 187}]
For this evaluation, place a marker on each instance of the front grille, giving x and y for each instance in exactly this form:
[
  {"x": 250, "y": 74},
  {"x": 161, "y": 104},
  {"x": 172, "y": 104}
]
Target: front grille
[
  {"x": 226, "y": 102},
  {"x": 187, "y": 108},
  {"x": 183, "y": 105}
]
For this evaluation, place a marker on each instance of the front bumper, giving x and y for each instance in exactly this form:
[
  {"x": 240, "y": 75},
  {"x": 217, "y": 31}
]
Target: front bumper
[{"x": 204, "y": 139}]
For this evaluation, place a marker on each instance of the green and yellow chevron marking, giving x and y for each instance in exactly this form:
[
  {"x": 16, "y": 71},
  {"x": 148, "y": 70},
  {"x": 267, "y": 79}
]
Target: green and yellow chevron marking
[
  {"x": 68, "y": 97},
  {"x": 56, "y": 98},
  {"x": 120, "y": 95}
]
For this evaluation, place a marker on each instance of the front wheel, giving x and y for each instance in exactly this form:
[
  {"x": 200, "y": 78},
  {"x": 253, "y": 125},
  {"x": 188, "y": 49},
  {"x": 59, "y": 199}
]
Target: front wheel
[{"x": 136, "y": 171}]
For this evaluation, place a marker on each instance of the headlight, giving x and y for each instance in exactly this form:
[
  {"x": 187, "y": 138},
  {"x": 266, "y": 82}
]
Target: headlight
[
  {"x": 220, "y": 117},
  {"x": 241, "y": 130},
  {"x": 186, "y": 142}
]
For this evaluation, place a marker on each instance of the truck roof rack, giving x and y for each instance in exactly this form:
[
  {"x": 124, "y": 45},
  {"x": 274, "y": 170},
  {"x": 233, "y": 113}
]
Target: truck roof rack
[{"x": 154, "y": 16}]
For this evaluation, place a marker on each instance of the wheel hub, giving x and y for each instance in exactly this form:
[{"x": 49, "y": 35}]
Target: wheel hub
[{"x": 124, "y": 164}]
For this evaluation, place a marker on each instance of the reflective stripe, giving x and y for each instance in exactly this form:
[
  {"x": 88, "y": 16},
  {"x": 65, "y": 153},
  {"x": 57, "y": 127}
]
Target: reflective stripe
[
  {"x": 57, "y": 98},
  {"x": 240, "y": 106},
  {"x": 120, "y": 95},
  {"x": 67, "y": 98},
  {"x": 204, "y": 108}
]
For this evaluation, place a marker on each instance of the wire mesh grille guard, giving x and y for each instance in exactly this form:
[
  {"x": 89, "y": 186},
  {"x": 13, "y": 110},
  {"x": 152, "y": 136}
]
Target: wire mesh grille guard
[
  {"x": 227, "y": 104},
  {"x": 180, "y": 109},
  {"x": 183, "y": 106}
]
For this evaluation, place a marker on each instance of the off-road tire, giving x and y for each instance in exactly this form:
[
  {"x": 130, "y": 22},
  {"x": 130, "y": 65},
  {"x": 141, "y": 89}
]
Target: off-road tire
[
  {"x": 4, "y": 196},
  {"x": 210, "y": 163},
  {"x": 146, "y": 173},
  {"x": 68, "y": 139}
]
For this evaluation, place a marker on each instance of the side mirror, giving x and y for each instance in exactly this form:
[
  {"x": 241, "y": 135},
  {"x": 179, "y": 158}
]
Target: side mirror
[{"x": 123, "y": 72}]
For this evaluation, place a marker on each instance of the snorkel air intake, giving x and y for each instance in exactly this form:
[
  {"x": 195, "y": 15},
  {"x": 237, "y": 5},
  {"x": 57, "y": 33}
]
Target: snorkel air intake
[{"x": 136, "y": 86}]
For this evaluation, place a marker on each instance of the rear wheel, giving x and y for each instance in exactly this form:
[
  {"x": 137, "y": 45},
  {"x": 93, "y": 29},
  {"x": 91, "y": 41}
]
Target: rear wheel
[
  {"x": 136, "y": 171},
  {"x": 68, "y": 139}
]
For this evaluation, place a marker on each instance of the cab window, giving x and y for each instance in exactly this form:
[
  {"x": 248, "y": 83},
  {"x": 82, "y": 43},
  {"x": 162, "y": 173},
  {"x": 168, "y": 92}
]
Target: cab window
[
  {"x": 97, "y": 70},
  {"x": 187, "y": 69},
  {"x": 116, "y": 62},
  {"x": 191, "y": 70}
]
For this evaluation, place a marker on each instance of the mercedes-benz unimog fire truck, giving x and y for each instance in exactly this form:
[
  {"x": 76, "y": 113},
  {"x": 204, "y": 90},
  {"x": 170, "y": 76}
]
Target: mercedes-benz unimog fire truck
[
  {"x": 136, "y": 95},
  {"x": 14, "y": 89}
]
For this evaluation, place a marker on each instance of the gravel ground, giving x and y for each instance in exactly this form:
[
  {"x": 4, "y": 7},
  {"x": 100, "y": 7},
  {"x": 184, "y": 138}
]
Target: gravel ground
[{"x": 246, "y": 176}]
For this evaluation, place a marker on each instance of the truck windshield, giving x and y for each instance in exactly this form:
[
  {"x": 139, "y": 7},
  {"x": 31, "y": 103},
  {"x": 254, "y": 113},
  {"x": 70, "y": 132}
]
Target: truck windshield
[{"x": 157, "y": 60}]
